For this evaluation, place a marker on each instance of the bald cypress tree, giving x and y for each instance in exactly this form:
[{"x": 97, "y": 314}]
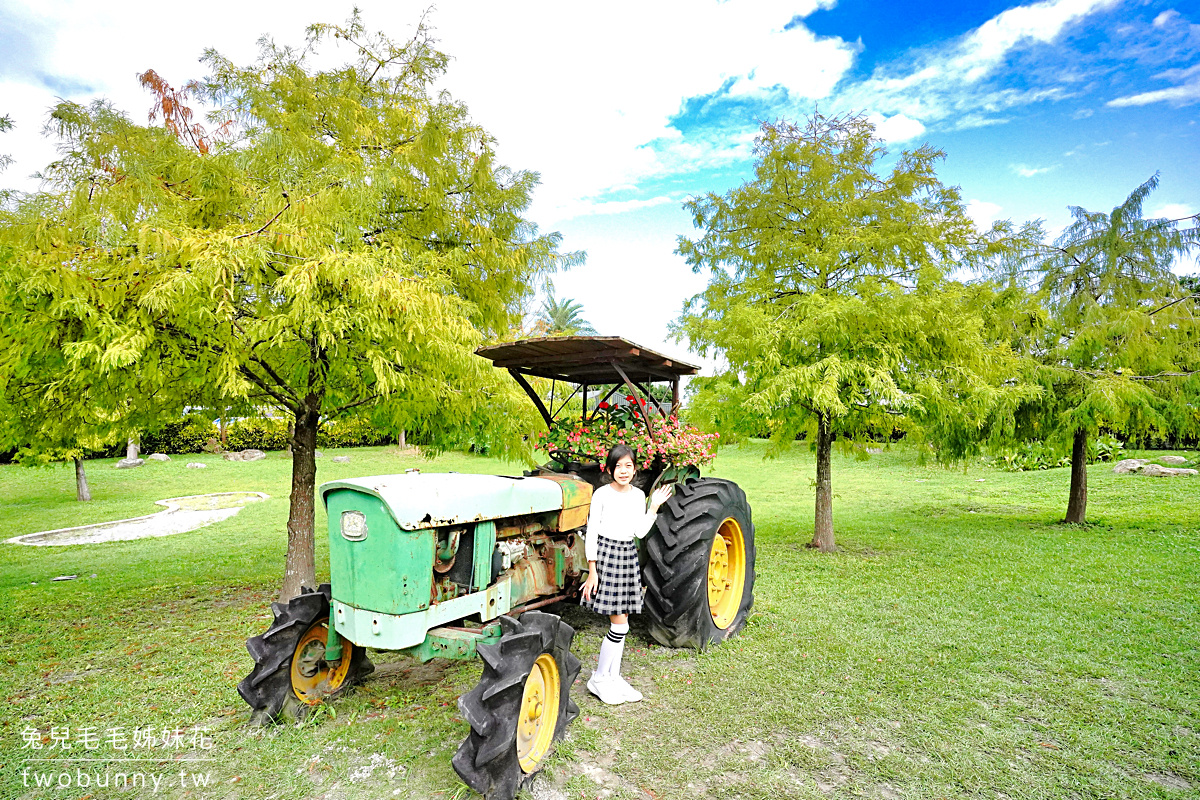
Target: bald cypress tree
[
  {"x": 1120, "y": 345},
  {"x": 830, "y": 299},
  {"x": 342, "y": 248}
]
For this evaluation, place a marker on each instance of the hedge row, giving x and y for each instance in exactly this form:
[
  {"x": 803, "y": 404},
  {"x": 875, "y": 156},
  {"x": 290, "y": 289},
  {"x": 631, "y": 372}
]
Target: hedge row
[{"x": 190, "y": 435}]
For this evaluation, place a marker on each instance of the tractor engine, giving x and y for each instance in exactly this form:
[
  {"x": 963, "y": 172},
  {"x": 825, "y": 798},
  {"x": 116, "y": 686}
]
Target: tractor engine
[{"x": 409, "y": 553}]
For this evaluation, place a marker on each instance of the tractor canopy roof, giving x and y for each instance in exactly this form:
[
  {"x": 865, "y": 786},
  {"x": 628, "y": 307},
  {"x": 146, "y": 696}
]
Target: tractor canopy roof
[{"x": 587, "y": 360}]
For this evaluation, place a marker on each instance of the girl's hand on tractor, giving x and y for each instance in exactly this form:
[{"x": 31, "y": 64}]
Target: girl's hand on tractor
[
  {"x": 661, "y": 495},
  {"x": 589, "y": 586}
]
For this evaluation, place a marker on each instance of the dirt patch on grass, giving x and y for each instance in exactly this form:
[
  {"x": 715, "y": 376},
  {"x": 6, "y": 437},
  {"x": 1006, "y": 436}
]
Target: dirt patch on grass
[
  {"x": 1169, "y": 780},
  {"x": 412, "y": 672}
]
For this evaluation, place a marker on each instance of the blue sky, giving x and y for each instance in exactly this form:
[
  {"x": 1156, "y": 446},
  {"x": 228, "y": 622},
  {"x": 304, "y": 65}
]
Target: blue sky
[{"x": 629, "y": 108}]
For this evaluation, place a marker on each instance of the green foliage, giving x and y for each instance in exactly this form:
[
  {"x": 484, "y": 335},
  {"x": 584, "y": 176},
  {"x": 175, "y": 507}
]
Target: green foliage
[
  {"x": 1050, "y": 455},
  {"x": 1118, "y": 346},
  {"x": 1119, "y": 338},
  {"x": 345, "y": 247},
  {"x": 830, "y": 301},
  {"x": 188, "y": 435},
  {"x": 352, "y": 432},
  {"x": 257, "y": 433},
  {"x": 1105, "y": 448},
  {"x": 562, "y": 317},
  {"x": 828, "y": 291}
]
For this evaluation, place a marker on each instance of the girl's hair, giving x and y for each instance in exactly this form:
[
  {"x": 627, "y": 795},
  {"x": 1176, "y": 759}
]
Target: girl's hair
[{"x": 616, "y": 454}]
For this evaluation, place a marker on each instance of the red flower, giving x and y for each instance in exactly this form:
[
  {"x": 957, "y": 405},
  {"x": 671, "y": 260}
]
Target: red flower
[
  {"x": 603, "y": 404},
  {"x": 631, "y": 398}
]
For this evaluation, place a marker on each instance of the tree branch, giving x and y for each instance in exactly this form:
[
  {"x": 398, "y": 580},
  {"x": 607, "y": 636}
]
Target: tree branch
[
  {"x": 1173, "y": 302},
  {"x": 269, "y": 222},
  {"x": 343, "y": 409}
]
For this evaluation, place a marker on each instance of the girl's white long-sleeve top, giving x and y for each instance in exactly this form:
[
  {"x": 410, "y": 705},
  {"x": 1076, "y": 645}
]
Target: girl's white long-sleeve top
[{"x": 619, "y": 516}]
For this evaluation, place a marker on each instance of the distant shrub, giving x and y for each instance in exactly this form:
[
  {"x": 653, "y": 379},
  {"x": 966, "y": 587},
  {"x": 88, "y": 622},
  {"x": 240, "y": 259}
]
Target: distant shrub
[
  {"x": 1105, "y": 448},
  {"x": 352, "y": 432},
  {"x": 258, "y": 434},
  {"x": 1040, "y": 455},
  {"x": 188, "y": 435}
]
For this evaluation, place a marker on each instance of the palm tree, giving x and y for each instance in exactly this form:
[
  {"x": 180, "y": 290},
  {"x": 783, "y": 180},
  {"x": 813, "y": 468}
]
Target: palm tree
[{"x": 563, "y": 317}]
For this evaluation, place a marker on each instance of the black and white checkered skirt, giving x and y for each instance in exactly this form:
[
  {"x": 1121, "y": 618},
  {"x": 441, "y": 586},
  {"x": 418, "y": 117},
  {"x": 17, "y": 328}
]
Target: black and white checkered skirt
[{"x": 618, "y": 579}]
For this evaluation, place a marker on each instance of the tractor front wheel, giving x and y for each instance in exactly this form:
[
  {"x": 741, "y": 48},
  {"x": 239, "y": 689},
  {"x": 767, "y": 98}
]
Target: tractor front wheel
[
  {"x": 290, "y": 675},
  {"x": 520, "y": 705},
  {"x": 698, "y": 565}
]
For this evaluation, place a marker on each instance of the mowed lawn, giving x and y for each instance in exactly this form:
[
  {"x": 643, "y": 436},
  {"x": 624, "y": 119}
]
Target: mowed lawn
[{"x": 961, "y": 644}]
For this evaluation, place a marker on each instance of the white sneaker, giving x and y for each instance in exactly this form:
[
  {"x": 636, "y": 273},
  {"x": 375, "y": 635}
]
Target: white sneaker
[
  {"x": 630, "y": 694},
  {"x": 609, "y": 692}
]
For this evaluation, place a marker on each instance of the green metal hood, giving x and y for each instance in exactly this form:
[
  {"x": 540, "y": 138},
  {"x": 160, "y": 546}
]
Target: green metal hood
[{"x": 418, "y": 501}]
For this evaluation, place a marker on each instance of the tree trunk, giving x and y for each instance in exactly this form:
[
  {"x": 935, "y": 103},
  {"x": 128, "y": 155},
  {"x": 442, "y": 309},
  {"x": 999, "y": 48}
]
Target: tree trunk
[
  {"x": 131, "y": 448},
  {"x": 402, "y": 443},
  {"x": 823, "y": 523},
  {"x": 221, "y": 429},
  {"x": 1077, "y": 505},
  {"x": 82, "y": 493},
  {"x": 301, "y": 555}
]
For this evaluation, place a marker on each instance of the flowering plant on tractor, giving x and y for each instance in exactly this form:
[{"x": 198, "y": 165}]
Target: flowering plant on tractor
[{"x": 675, "y": 442}]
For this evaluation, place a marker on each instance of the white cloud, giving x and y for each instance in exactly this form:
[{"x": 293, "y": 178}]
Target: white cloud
[
  {"x": 1165, "y": 17},
  {"x": 1184, "y": 94},
  {"x": 588, "y": 207},
  {"x": 1029, "y": 172},
  {"x": 603, "y": 84},
  {"x": 986, "y": 47},
  {"x": 1172, "y": 211},
  {"x": 574, "y": 91},
  {"x": 948, "y": 82},
  {"x": 983, "y": 213},
  {"x": 898, "y": 128}
]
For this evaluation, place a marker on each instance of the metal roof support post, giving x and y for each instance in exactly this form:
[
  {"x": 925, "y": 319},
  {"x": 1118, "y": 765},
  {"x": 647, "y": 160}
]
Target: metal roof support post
[
  {"x": 633, "y": 390},
  {"x": 537, "y": 401}
]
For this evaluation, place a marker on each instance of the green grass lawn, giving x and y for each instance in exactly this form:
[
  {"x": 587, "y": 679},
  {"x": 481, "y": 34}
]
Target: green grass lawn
[{"x": 961, "y": 644}]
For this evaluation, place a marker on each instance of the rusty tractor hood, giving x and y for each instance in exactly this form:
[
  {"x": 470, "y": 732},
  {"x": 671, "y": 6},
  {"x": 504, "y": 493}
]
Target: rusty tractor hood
[{"x": 417, "y": 501}]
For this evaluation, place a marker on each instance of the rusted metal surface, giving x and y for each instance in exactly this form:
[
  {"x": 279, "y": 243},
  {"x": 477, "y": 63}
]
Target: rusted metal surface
[
  {"x": 577, "y": 501},
  {"x": 585, "y": 359},
  {"x": 516, "y": 612},
  {"x": 418, "y": 502}
]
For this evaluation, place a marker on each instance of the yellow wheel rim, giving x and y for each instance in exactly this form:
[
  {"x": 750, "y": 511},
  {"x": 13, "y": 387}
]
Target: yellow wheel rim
[
  {"x": 313, "y": 678},
  {"x": 539, "y": 713},
  {"x": 726, "y": 573}
]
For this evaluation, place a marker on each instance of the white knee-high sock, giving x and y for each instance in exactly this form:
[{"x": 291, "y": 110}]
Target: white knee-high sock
[{"x": 611, "y": 649}]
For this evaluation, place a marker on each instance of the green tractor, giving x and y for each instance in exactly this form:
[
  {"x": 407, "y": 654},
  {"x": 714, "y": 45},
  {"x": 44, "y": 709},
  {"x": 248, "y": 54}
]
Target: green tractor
[{"x": 454, "y": 566}]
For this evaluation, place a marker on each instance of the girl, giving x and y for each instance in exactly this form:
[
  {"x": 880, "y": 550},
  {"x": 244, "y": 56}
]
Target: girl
[{"x": 613, "y": 585}]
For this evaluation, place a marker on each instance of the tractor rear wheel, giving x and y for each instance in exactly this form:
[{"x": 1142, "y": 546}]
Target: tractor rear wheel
[
  {"x": 698, "y": 565},
  {"x": 290, "y": 675},
  {"x": 520, "y": 705}
]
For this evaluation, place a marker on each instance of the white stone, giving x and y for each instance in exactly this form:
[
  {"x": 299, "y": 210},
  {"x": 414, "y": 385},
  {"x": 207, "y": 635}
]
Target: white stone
[
  {"x": 196, "y": 465},
  {"x": 341, "y": 459},
  {"x": 130, "y": 463},
  {"x": 1172, "y": 461},
  {"x": 158, "y": 457},
  {"x": 1129, "y": 465},
  {"x": 245, "y": 455},
  {"x": 1155, "y": 471}
]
